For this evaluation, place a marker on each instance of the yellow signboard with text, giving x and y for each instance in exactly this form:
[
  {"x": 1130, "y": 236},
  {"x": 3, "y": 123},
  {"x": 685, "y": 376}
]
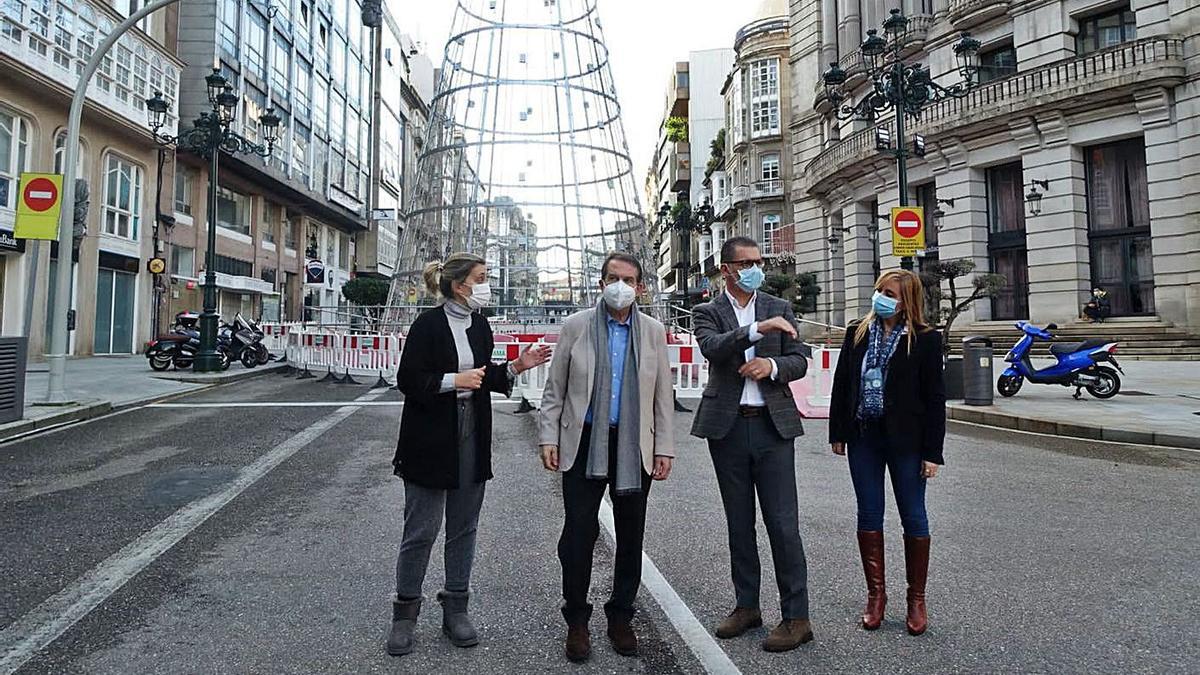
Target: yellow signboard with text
[{"x": 39, "y": 206}]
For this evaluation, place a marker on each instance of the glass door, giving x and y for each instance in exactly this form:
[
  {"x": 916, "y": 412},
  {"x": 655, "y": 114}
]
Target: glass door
[
  {"x": 1119, "y": 226},
  {"x": 1006, "y": 240},
  {"x": 115, "y": 295}
]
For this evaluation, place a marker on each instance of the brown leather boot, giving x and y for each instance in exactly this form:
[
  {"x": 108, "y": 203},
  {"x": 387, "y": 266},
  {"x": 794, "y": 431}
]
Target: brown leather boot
[
  {"x": 738, "y": 622},
  {"x": 579, "y": 643},
  {"x": 916, "y": 566},
  {"x": 789, "y": 634},
  {"x": 870, "y": 548},
  {"x": 622, "y": 637}
]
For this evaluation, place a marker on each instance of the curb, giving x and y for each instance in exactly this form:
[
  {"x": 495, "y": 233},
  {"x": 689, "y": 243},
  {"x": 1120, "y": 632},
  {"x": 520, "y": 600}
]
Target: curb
[
  {"x": 990, "y": 418},
  {"x": 93, "y": 409}
]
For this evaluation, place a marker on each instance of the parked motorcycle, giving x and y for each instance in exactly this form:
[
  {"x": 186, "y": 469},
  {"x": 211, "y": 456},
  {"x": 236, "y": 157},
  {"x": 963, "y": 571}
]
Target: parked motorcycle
[
  {"x": 180, "y": 346},
  {"x": 246, "y": 342},
  {"x": 1076, "y": 364}
]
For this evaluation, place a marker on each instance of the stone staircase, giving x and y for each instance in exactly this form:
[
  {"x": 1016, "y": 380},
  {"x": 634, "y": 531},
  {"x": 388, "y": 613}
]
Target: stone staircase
[{"x": 1139, "y": 339}]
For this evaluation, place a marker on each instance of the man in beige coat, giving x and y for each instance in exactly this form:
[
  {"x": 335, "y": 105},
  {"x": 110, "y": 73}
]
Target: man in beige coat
[{"x": 606, "y": 422}]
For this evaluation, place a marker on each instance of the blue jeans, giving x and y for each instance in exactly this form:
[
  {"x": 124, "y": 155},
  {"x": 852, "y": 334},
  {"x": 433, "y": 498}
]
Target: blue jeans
[{"x": 868, "y": 456}]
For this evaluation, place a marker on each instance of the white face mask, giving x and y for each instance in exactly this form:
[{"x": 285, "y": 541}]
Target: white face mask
[
  {"x": 619, "y": 295},
  {"x": 480, "y": 297}
]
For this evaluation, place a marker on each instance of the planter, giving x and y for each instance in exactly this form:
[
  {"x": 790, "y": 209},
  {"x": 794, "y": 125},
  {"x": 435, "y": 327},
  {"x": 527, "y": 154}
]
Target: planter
[{"x": 954, "y": 378}]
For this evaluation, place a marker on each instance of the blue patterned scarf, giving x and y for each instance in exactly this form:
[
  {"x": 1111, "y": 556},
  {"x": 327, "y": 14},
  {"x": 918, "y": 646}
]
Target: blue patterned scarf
[{"x": 879, "y": 355}]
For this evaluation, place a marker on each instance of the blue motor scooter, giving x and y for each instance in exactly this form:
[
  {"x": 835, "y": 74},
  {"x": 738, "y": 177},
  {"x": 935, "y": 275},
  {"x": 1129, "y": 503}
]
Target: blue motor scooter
[{"x": 1077, "y": 365}]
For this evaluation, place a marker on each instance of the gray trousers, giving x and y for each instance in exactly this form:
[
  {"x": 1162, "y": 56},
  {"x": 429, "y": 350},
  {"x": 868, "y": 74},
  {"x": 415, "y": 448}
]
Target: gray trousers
[
  {"x": 754, "y": 458},
  {"x": 423, "y": 509}
]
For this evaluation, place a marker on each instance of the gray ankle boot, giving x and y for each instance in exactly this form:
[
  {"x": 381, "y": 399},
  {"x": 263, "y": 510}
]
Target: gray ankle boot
[
  {"x": 404, "y": 622},
  {"x": 456, "y": 624}
]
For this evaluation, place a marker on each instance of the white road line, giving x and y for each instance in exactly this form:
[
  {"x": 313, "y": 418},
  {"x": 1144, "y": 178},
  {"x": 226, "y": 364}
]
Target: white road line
[
  {"x": 280, "y": 404},
  {"x": 694, "y": 634},
  {"x": 44, "y": 624}
]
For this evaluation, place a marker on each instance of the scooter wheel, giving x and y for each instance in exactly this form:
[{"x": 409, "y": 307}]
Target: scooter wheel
[
  {"x": 249, "y": 358},
  {"x": 160, "y": 363},
  {"x": 1107, "y": 385},
  {"x": 1009, "y": 385},
  {"x": 264, "y": 356}
]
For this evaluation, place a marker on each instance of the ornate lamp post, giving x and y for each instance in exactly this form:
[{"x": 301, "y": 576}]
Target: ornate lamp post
[
  {"x": 208, "y": 137},
  {"x": 684, "y": 224},
  {"x": 899, "y": 87}
]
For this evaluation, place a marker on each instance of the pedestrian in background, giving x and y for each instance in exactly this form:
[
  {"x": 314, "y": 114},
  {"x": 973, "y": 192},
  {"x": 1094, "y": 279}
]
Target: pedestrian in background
[
  {"x": 606, "y": 423},
  {"x": 749, "y": 416},
  {"x": 445, "y": 448},
  {"x": 889, "y": 407}
]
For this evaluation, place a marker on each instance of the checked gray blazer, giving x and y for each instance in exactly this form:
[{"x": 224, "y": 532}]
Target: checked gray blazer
[{"x": 724, "y": 344}]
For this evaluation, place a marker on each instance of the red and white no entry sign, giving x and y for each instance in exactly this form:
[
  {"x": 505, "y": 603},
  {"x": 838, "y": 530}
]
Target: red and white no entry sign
[
  {"x": 40, "y": 195},
  {"x": 908, "y": 224}
]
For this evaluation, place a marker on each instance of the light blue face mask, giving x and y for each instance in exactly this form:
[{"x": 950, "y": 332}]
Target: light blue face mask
[
  {"x": 885, "y": 307},
  {"x": 749, "y": 280}
]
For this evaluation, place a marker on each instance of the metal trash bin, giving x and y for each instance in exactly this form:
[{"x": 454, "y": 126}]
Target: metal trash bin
[
  {"x": 12, "y": 378},
  {"x": 977, "y": 370}
]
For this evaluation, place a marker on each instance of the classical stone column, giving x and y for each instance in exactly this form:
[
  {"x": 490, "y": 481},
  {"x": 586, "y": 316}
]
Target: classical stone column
[
  {"x": 858, "y": 250},
  {"x": 1056, "y": 239},
  {"x": 1174, "y": 226},
  {"x": 964, "y": 228}
]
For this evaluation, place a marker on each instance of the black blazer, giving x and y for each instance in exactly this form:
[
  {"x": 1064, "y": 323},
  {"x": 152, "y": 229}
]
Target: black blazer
[
  {"x": 427, "y": 452},
  {"x": 914, "y": 396}
]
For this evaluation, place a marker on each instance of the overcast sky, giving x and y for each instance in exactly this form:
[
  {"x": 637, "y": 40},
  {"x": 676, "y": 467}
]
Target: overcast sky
[{"x": 645, "y": 38}]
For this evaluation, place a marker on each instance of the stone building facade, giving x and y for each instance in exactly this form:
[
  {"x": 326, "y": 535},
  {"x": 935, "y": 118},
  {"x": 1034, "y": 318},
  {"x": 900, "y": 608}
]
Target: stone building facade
[{"x": 1094, "y": 106}]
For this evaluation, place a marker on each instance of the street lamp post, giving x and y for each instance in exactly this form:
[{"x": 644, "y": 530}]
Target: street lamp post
[
  {"x": 684, "y": 224},
  {"x": 899, "y": 87},
  {"x": 208, "y": 137}
]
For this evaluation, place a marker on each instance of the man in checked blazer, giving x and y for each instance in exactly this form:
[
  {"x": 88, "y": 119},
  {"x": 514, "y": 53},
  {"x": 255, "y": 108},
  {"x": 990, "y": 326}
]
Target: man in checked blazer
[{"x": 749, "y": 416}]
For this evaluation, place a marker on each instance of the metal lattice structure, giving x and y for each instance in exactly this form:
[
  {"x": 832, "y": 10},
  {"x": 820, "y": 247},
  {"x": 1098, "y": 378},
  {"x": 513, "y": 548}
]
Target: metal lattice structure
[{"x": 525, "y": 158}]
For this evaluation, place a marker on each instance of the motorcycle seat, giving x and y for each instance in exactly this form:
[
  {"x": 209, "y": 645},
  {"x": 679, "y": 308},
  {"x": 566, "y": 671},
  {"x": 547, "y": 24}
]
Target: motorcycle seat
[
  {"x": 173, "y": 337},
  {"x": 1064, "y": 348}
]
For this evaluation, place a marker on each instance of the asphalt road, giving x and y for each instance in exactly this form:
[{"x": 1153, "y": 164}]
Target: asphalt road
[{"x": 221, "y": 538}]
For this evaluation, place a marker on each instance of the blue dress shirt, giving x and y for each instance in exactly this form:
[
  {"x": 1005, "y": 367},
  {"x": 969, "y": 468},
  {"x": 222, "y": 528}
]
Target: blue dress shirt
[{"x": 618, "y": 342}]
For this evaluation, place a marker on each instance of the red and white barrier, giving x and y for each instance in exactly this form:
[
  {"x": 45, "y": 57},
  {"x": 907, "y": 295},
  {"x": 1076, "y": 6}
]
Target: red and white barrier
[{"x": 813, "y": 391}]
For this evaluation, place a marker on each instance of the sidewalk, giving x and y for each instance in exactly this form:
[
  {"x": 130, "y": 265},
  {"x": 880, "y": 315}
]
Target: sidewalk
[
  {"x": 102, "y": 384},
  {"x": 1159, "y": 404}
]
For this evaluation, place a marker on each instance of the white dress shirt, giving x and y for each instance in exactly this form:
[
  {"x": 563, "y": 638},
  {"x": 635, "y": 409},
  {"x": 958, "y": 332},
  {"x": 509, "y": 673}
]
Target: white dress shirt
[{"x": 751, "y": 393}]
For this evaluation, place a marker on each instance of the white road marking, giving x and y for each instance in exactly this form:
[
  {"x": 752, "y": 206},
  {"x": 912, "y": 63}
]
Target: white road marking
[
  {"x": 694, "y": 634},
  {"x": 280, "y": 404},
  {"x": 37, "y": 630}
]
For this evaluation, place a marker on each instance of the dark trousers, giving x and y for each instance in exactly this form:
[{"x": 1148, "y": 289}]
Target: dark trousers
[
  {"x": 755, "y": 458},
  {"x": 868, "y": 457},
  {"x": 581, "y": 527}
]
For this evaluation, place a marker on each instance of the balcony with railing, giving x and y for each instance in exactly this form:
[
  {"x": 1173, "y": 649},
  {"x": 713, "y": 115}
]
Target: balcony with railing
[
  {"x": 723, "y": 206},
  {"x": 778, "y": 240},
  {"x": 967, "y": 13},
  {"x": 741, "y": 195},
  {"x": 680, "y": 163},
  {"x": 767, "y": 189},
  {"x": 1084, "y": 80},
  {"x": 53, "y": 40}
]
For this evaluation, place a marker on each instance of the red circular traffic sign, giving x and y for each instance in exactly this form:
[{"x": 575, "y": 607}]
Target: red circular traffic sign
[
  {"x": 908, "y": 224},
  {"x": 40, "y": 194}
]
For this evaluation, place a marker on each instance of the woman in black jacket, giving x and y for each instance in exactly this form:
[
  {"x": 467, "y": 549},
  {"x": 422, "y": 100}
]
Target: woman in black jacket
[
  {"x": 444, "y": 453},
  {"x": 889, "y": 407}
]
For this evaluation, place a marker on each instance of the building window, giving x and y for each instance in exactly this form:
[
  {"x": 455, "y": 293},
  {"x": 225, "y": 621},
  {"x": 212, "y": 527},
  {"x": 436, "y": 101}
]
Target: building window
[
  {"x": 281, "y": 63},
  {"x": 290, "y": 233},
  {"x": 764, "y": 97},
  {"x": 256, "y": 44},
  {"x": 271, "y": 219},
  {"x": 320, "y": 114},
  {"x": 14, "y": 156},
  {"x": 230, "y": 15},
  {"x": 183, "y": 261},
  {"x": 232, "y": 266},
  {"x": 343, "y": 250},
  {"x": 997, "y": 63},
  {"x": 682, "y": 79},
  {"x": 184, "y": 180},
  {"x": 233, "y": 211},
  {"x": 300, "y": 89},
  {"x": 770, "y": 167},
  {"x": 60, "y": 151},
  {"x": 122, "y": 198},
  {"x": 1106, "y": 30},
  {"x": 738, "y": 110},
  {"x": 301, "y": 139},
  {"x": 772, "y": 242}
]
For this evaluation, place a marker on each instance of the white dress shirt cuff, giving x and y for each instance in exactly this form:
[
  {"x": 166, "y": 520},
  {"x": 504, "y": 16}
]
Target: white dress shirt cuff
[
  {"x": 447, "y": 383},
  {"x": 755, "y": 336},
  {"x": 774, "y": 369}
]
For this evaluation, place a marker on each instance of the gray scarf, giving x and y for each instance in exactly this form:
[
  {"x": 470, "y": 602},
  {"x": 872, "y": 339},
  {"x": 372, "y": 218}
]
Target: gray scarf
[{"x": 629, "y": 472}]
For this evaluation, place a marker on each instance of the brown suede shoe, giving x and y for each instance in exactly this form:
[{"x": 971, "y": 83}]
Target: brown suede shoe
[
  {"x": 738, "y": 622},
  {"x": 623, "y": 640},
  {"x": 579, "y": 643},
  {"x": 789, "y": 634}
]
